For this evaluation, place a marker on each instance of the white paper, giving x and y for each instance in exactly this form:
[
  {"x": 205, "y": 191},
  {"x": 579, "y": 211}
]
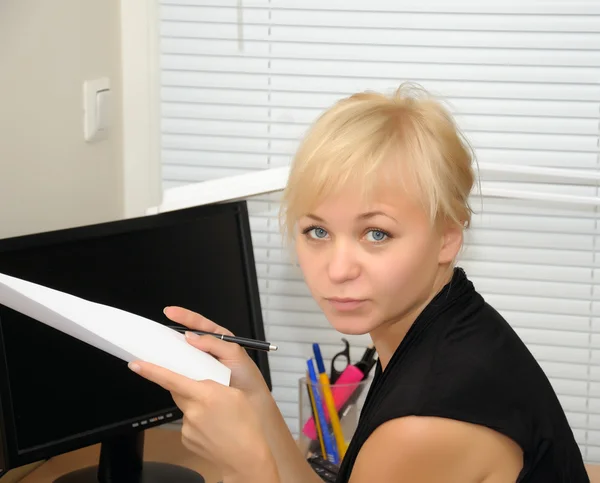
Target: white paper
[{"x": 122, "y": 334}]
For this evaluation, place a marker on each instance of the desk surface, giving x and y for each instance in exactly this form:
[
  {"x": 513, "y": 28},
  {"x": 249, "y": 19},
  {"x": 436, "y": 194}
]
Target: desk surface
[
  {"x": 163, "y": 445},
  {"x": 160, "y": 445}
]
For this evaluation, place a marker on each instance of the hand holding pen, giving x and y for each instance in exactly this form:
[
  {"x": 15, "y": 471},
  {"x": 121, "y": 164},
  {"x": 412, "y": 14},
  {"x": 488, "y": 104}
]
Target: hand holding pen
[
  {"x": 241, "y": 341},
  {"x": 213, "y": 412},
  {"x": 245, "y": 374},
  {"x": 193, "y": 323}
]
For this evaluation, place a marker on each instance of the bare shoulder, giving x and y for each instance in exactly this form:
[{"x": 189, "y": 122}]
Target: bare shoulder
[{"x": 429, "y": 449}]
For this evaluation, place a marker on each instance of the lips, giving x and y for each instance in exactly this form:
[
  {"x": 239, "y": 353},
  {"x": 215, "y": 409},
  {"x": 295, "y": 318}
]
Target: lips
[{"x": 345, "y": 304}]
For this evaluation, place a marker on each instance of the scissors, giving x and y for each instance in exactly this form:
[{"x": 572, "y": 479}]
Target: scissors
[{"x": 335, "y": 374}]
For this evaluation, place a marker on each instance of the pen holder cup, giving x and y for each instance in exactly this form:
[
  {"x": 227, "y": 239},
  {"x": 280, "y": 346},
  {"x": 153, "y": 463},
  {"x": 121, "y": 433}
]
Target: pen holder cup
[{"x": 348, "y": 397}]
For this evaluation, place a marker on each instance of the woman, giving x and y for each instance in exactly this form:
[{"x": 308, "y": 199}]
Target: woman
[{"x": 376, "y": 205}]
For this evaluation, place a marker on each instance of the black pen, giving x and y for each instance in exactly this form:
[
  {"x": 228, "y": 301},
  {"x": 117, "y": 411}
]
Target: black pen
[{"x": 242, "y": 341}]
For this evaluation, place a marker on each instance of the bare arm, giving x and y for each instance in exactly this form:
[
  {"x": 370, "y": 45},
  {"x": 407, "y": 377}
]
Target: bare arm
[
  {"x": 436, "y": 450},
  {"x": 593, "y": 472},
  {"x": 291, "y": 464}
]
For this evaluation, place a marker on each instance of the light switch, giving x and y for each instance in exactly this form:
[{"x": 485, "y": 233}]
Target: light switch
[
  {"x": 103, "y": 109},
  {"x": 96, "y": 109}
]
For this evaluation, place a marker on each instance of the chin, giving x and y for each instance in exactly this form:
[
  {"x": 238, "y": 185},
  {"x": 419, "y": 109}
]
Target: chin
[{"x": 351, "y": 325}]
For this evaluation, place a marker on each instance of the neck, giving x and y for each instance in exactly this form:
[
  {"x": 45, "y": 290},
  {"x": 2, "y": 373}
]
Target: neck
[{"x": 388, "y": 336}]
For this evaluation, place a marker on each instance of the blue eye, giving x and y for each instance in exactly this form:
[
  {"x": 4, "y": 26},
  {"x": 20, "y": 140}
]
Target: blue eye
[
  {"x": 316, "y": 232},
  {"x": 377, "y": 235}
]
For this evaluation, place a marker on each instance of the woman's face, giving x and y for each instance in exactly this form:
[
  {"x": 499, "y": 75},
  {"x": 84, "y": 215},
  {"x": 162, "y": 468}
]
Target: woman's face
[{"x": 372, "y": 264}]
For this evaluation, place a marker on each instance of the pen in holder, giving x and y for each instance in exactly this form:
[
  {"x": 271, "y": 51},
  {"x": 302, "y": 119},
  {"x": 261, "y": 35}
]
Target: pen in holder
[{"x": 348, "y": 392}]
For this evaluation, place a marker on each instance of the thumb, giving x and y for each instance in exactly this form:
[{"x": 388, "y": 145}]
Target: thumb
[{"x": 222, "y": 350}]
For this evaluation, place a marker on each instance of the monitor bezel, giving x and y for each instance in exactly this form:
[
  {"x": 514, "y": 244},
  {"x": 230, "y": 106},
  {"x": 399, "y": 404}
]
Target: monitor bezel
[{"x": 15, "y": 457}]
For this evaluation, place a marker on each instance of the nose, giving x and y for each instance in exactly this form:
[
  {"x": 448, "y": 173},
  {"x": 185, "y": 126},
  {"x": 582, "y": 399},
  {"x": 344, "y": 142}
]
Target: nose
[{"x": 343, "y": 264}]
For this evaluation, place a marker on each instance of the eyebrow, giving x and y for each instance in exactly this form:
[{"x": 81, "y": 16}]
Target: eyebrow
[
  {"x": 371, "y": 214},
  {"x": 363, "y": 216}
]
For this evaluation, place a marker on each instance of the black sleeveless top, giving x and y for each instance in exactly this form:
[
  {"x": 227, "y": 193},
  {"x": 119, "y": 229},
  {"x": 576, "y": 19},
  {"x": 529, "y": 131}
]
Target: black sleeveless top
[{"x": 461, "y": 360}]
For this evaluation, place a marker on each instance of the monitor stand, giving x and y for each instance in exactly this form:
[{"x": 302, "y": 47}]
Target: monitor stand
[{"x": 121, "y": 461}]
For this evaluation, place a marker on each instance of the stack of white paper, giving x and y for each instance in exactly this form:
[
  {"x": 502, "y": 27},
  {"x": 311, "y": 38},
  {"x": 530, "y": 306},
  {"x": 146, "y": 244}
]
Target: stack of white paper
[{"x": 120, "y": 333}]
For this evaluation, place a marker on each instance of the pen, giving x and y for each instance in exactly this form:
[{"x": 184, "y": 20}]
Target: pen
[
  {"x": 330, "y": 403},
  {"x": 242, "y": 341},
  {"x": 330, "y": 448},
  {"x": 313, "y": 407}
]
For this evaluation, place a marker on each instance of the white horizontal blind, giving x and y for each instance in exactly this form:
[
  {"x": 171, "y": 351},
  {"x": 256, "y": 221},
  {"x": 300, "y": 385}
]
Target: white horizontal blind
[{"x": 241, "y": 81}]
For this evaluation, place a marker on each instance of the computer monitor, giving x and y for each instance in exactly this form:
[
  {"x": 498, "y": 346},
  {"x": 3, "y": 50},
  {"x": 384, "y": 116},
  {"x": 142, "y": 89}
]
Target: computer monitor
[{"x": 59, "y": 394}]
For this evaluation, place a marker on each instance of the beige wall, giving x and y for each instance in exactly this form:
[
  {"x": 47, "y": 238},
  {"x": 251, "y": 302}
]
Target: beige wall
[{"x": 49, "y": 176}]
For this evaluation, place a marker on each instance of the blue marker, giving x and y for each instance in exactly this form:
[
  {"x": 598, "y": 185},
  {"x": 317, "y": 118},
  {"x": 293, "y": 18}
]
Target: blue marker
[
  {"x": 330, "y": 447},
  {"x": 319, "y": 358}
]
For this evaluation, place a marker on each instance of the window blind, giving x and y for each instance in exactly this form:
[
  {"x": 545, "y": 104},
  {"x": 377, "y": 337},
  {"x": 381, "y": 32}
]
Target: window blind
[{"x": 242, "y": 80}]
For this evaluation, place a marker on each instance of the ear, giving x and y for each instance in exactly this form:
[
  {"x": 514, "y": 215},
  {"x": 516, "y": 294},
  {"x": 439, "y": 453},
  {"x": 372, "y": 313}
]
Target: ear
[{"x": 452, "y": 239}]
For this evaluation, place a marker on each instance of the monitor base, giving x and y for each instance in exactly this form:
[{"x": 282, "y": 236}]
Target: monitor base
[
  {"x": 122, "y": 461},
  {"x": 152, "y": 472}
]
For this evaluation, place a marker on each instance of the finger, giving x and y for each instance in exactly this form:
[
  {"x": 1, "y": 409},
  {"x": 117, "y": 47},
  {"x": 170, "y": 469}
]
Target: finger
[
  {"x": 193, "y": 320},
  {"x": 169, "y": 380},
  {"x": 218, "y": 348}
]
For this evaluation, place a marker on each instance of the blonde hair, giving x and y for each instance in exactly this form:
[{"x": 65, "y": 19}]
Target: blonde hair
[{"x": 409, "y": 136}]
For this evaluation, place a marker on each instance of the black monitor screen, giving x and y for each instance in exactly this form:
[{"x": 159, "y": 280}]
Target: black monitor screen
[{"x": 62, "y": 388}]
